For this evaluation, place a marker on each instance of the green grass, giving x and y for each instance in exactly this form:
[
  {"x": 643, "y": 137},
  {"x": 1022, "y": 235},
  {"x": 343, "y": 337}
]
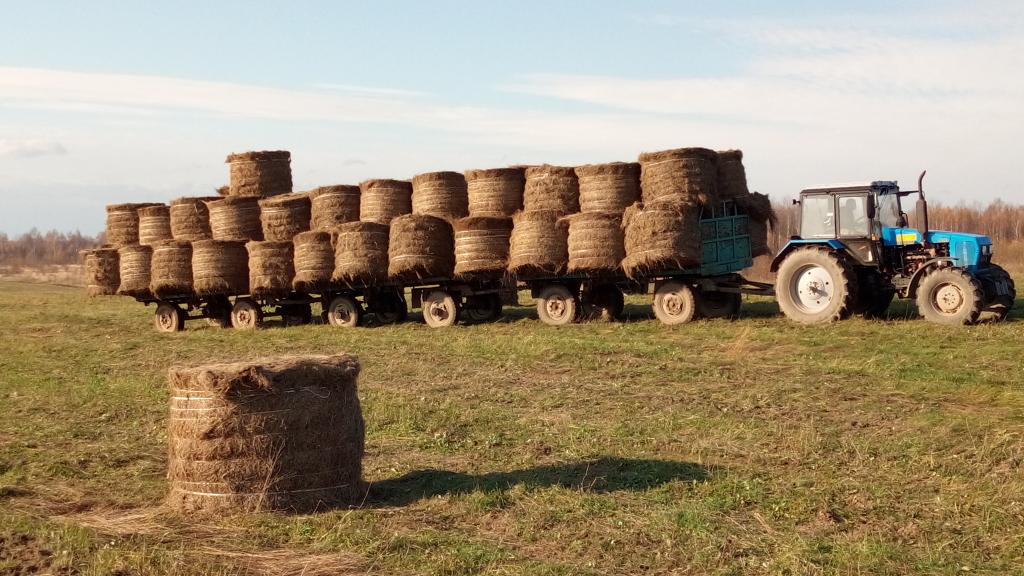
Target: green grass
[{"x": 756, "y": 446}]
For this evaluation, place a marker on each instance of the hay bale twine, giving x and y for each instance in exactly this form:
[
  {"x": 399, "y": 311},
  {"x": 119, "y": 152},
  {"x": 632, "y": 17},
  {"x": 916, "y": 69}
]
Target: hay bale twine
[
  {"x": 495, "y": 193},
  {"x": 102, "y": 271},
  {"x": 333, "y": 205},
  {"x": 154, "y": 224},
  {"x": 539, "y": 245},
  {"x": 552, "y": 188},
  {"x": 260, "y": 174},
  {"x": 419, "y": 247},
  {"x": 314, "y": 261},
  {"x": 190, "y": 218},
  {"x": 441, "y": 194},
  {"x": 123, "y": 223},
  {"x": 171, "y": 268},
  {"x": 220, "y": 267},
  {"x": 235, "y": 219},
  {"x": 283, "y": 433},
  {"x": 660, "y": 236},
  {"x": 284, "y": 216},
  {"x": 381, "y": 201},
  {"x": 609, "y": 187},
  {"x": 595, "y": 242},
  {"x": 481, "y": 246},
  {"x": 732, "y": 177},
  {"x": 761, "y": 215},
  {"x": 360, "y": 253},
  {"x": 688, "y": 172},
  {"x": 271, "y": 268},
  {"x": 136, "y": 262}
]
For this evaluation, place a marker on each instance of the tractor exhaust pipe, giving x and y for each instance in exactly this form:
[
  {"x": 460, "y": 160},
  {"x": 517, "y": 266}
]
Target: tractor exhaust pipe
[{"x": 922, "y": 207}]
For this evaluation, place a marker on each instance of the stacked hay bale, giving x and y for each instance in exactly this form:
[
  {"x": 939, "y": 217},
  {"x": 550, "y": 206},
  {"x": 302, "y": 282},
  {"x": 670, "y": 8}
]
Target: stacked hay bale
[
  {"x": 333, "y": 205},
  {"x": 441, "y": 194},
  {"x": 314, "y": 261},
  {"x": 271, "y": 268},
  {"x": 661, "y": 235},
  {"x": 732, "y": 178},
  {"x": 420, "y": 247},
  {"x": 190, "y": 218},
  {"x": 171, "y": 268},
  {"x": 383, "y": 200},
  {"x": 360, "y": 253},
  {"x": 481, "y": 246},
  {"x": 608, "y": 187},
  {"x": 102, "y": 271},
  {"x": 123, "y": 223},
  {"x": 595, "y": 243},
  {"x": 761, "y": 214},
  {"x": 136, "y": 262},
  {"x": 284, "y": 216},
  {"x": 495, "y": 193},
  {"x": 154, "y": 224},
  {"x": 220, "y": 267},
  {"x": 281, "y": 434},
  {"x": 260, "y": 174},
  {"x": 539, "y": 245},
  {"x": 551, "y": 188},
  {"x": 235, "y": 219},
  {"x": 687, "y": 173}
]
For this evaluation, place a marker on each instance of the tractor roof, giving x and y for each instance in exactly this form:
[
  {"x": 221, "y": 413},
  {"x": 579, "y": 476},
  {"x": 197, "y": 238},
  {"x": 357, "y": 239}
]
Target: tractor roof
[{"x": 882, "y": 185}]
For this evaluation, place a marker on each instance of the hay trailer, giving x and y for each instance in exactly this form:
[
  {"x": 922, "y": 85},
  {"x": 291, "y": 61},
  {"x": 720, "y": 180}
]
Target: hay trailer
[
  {"x": 443, "y": 301},
  {"x": 228, "y": 310}
]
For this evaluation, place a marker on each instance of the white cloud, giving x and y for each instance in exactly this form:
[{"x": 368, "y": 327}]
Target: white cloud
[{"x": 30, "y": 148}]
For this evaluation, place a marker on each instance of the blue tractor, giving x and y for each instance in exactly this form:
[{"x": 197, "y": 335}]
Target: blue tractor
[{"x": 856, "y": 251}]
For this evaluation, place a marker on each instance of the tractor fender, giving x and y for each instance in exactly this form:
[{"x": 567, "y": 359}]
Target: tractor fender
[
  {"x": 795, "y": 244},
  {"x": 928, "y": 266}
]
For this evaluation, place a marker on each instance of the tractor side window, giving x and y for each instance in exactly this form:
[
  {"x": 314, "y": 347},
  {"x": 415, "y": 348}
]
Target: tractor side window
[
  {"x": 889, "y": 210},
  {"x": 853, "y": 216},
  {"x": 817, "y": 219}
]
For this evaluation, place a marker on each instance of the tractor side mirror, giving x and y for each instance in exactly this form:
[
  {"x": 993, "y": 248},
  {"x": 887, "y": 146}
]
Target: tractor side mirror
[{"x": 871, "y": 207}]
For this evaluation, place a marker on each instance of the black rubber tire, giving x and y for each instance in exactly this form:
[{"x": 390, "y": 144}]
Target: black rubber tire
[
  {"x": 557, "y": 305},
  {"x": 718, "y": 304},
  {"x": 603, "y": 302},
  {"x": 674, "y": 303},
  {"x": 390, "y": 308},
  {"x": 218, "y": 312},
  {"x": 344, "y": 312},
  {"x": 246, "y": 314},
  {"x": 441, "y": 309},
  {"x": 996, "y": 306},
  {"x": 950, "y": 296},
  {"x": 874, "y": 294},
  {"x": 816, "y": 284},
  {"x": 483, "y": 308},
  {"x": 169, "y": 318},
  {"x": 296, "y": 314}
]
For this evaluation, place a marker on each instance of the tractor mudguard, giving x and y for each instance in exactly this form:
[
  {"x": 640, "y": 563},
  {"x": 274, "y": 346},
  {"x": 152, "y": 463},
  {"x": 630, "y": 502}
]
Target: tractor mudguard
[
  {"x": 916, "y": 278},
  {"x": 794, "y": 244}
]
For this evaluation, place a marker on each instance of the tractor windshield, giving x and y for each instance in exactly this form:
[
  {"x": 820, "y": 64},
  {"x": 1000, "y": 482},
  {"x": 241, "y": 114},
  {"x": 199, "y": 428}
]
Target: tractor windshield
[
  {"x": 818, "y": 217},
  {"x": 889, "y": 210}
]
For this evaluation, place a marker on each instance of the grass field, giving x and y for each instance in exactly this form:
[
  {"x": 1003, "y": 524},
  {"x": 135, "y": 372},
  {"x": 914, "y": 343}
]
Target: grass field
[{"x": 755, "y": 446}]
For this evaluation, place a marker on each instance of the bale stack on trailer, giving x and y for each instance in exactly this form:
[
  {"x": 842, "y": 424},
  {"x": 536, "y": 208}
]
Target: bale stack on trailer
[
  {"x": 440, "y": 194},
  {"x": 190, "y": 218},
  {"x": 759, "y": 207},
  {"x": 220, "y": 267},
  {"x": 481, "y": 246},
  {"x": 420, "y": 247},
  {"x": 284, "y": 216},
  {"x": 314, "y": 261},
  {"x": 136, "y": 262},
  {"x": 102, "y": 271},
  {"x": 171, "y": 270},
  {"x": 539, "y": 245},
  {"x": 154, "y": 224},
  {"x": 235, "y": 219},
  {"x": 595, "y": 243},
  {"x": 687, "y": 173},
  {"x": 271, "y": 269},
  {"x": 551, "y": 188},
  {"x": 382, "y": 200},
  {"x": 609, "y": 187},
  {"x": 495, "y": 193},
  {"x": 732, "y": 177},
  {"x": 360, "y": 253},
  {"x": 661, "y": 235},
  {"x": 260, "y": 174},
  {"x": 123, "y": 223},
  {"x": 333, "y": 205}
]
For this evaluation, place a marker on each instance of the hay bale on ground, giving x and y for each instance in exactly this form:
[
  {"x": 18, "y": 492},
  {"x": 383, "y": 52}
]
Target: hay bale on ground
[
  {"x": 136, "y": 262},
  {"x": 539, "y": 245},
  {"x": 220, "y": 267},
  {"x": 154, "y": 224},
  {"x": 595, "y": 242},
  {"x": 282, "y": 433},
  {"x": 284, "y": 216},
  {"x": 260, "y": 174},
  {"x": 123, "y": 223},
  {"x": 102, "y": 271},
  {"x": 190, "y": 218},
  {"x": 552, "y": 188},
  {"x": 732, "y": 177},
  {"x": 235, "y": 219},
  {"x": 441, "y": 194},
  {"x": 761, "y": 215},
  {"x": 419, "y": 247},
  {"x": 171, "y": 268},
  {"x": 688, "y": 172},
  {"x": 381, "y": 201},
  {"x": 360, "y": 253},
  {"x": 660, "y": 236},
  {"x": 333, "y": 205},
  {"x": 481, "y": 246},
  {"x": 271, "y": 268},
  {"x": 610, "y": 187},
  {"x": 314, "y": 261},
  {"x": 495, "y": 193}
]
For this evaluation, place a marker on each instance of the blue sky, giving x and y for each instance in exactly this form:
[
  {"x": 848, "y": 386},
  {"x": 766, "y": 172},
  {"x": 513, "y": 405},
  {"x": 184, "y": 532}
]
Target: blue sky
[{"x": 109, "y": 102}]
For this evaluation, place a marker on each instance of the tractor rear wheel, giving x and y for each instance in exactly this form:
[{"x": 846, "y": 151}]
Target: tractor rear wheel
[
  {"x": 950, "y": 296},
  {"x": 816, "y": 284},
  {"x": 997, "y": 306}
]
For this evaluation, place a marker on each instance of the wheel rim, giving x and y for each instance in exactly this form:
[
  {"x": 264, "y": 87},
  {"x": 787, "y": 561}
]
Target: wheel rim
[
  {"x": 556, "y": 308},
  {"x": 673, "y": 304},
  {"x": 812, "y": 288},
  {"x": 167, "y": 321},
  {"x": 949, "y": 298},
  {"x": 246, "y": 315},
  {"x": 343, "y": 313}
]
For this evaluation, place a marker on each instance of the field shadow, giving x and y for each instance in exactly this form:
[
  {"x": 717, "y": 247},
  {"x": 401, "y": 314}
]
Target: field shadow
[{"x": 599, "y": 476}]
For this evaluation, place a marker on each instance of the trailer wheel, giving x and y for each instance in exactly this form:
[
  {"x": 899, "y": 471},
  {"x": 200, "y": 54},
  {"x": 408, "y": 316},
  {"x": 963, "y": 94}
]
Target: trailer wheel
[
  {"x": 296, "y": 314},
  {"x": 715, "y": 304},
  {"x": 218, "y": 312},
  {"x": 390, "y": 308},
  {"x": 556, "y": 305},
  {"x": 950, "y": 296},
  {"x": 483, "y": 308},
  {"x": 674, "y": 303},
  {"x": 815, "y": 284},
  {"x": 169, "y": 318},
  {"x": 344, "y": 312},
  {"x": 604, "y": 302},
  {"x": 246, "y": 314},
  {"x": 997, "y": 306},
  {"x": 440, "y": 309}
]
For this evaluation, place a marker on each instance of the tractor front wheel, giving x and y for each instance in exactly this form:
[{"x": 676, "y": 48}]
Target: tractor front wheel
[
  {"x": 950, "y": 296},
  {"x": 815, "y": 284}
]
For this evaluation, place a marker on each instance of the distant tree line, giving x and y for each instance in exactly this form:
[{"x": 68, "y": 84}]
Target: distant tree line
[{"x": 35, "y": 249}]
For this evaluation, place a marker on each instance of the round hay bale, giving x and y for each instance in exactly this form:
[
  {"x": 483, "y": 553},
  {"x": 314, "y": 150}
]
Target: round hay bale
[
  {"x": 687, "y": 172},
  {"x": 171, "y": 268},
  {"x": 381, "y": 201},
  {"x": 732, "y": 177},
  {"x": 123, "y": 223},
  {"x": 333, "y": 205},
  {"x": 314, "y": 261},
  {"x": 154, "y": 224},
  {"x": 661, "y": 236},
  {"x": 609, "y": 187},
  {"x": 481, "y": 246},
  {"x": 260, "y": 174},
  {"x": 441, "y": 194},
  {"x": 136, "y": 262},
  {"x": 759, "y": 209},
  {"x": 285, "y": 216},
  {"x": 102, "y": 271},
  {"x": 283, "y": 433},
  {"x": 495, "y": 193},
  {"x": 271, "y": 268},
  {"x": 220, "y": 267},
  {"x": 190, "y": 218},
  {"x": 595, "y": 242},
  {"x": 419, "y": 247},
  {"x": 551, "y": 188},
  {"x": 360, "y": 253},
  {"x": 539, "y": 245},
  {"x": 235, "y": 219}
]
